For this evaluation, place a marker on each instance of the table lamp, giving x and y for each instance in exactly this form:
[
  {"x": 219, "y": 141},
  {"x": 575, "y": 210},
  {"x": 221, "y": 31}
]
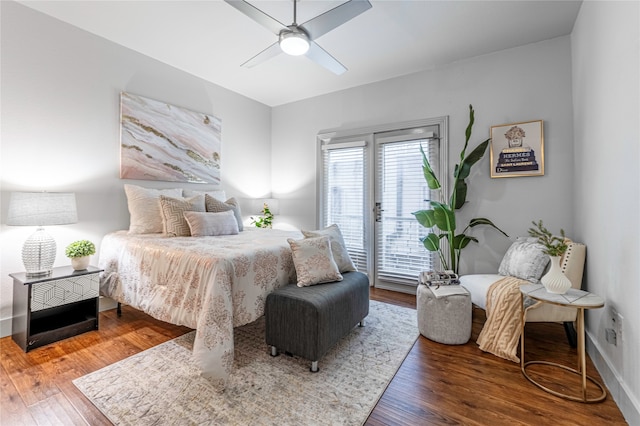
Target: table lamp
[{"x": 41, "y": 209}]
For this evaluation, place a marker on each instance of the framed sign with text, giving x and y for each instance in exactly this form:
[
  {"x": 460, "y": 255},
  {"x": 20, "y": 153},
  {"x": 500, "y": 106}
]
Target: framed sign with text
[{"x": 517, "y": 149}]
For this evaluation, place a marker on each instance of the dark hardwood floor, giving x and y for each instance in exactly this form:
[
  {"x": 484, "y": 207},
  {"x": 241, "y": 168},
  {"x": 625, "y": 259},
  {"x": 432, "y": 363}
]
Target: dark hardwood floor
[{"x": 436, "y": 385}]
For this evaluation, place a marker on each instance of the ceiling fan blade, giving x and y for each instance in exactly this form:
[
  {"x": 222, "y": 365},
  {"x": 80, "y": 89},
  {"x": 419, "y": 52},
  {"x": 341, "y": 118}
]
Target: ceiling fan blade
[
  {"x": 321, "y": 57},
  {"x": 257, "y": 15},
  {"x": 335, "y": 17},
  {"x": 267, "y": 53}
]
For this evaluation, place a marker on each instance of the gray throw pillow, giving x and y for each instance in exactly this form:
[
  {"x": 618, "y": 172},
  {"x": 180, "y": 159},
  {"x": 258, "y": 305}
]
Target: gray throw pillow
[
  {"x": 214, "y": 205},
  {"x": 524, "y": 259},
  {"x": 211, "y": 224}
]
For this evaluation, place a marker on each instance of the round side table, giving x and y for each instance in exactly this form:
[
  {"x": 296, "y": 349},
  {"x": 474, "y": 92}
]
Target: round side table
[{"x": 573, "y": 298}]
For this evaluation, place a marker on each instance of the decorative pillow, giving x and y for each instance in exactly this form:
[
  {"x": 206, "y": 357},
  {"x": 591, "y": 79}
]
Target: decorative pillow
[
  {"x": 210, "y": 224},
  {"x": 338, "y": 247},
  {"x": 524, "y": 259},
  {"x": 216, "y": 206},
  {"x": 144, "y": 208},
  {"x": 218, "y": 194},
  {"x": 172, "y": 209},
  {"x": 313, "y": 261}
]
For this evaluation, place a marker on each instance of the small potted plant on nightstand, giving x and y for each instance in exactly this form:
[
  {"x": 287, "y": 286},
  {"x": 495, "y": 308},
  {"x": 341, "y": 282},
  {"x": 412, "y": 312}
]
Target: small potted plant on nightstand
[{"x": 79, "y": 252}]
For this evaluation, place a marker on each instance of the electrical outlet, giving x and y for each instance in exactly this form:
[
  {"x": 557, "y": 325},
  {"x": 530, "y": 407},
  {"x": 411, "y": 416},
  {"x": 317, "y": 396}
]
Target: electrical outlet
[
  {"x": 610, "y": 335},
  {"x": 619, "y": 326}
]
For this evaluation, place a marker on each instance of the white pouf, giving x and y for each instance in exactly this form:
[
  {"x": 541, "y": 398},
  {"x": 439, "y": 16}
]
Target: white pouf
[{"x": 444, "y": 314}]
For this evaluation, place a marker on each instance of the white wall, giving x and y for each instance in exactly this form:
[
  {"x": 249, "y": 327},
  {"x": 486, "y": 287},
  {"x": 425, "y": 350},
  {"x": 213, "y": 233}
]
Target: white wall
[
  {"x": 60, "y": 128},
  {"x": 532, "y": 82},
  {"x": 590, "y": 188},
  {"x": 60, "y": 132},
  {"x": 606, "y": 103}
]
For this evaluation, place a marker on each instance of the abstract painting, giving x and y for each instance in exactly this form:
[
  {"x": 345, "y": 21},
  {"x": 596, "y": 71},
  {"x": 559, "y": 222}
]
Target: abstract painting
[{"x": 159, "y": 141}]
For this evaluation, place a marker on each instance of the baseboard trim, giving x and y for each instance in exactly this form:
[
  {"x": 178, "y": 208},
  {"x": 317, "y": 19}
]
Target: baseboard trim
[
  {"x": 400, "y": 288},
  {"x": 5, "y": 327},
  {"x": 618, "y": 389},
  {"x": 107, "y": 303}
]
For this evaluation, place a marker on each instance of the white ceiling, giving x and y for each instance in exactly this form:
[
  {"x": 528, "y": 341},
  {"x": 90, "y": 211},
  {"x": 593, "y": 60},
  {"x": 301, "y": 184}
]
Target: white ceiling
[{"x": 210, "y": 39}]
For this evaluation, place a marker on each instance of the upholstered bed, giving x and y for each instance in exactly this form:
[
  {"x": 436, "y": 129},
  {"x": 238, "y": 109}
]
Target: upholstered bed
[
  {"x": 211, "y": 283},
  {"x": 187, "y": 259}
]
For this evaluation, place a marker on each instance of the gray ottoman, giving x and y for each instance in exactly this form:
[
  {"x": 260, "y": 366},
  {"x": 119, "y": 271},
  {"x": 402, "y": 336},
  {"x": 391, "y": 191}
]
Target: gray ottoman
[
  {"x": 445, "y": 319},
  {"x": 308, "y": 321}
]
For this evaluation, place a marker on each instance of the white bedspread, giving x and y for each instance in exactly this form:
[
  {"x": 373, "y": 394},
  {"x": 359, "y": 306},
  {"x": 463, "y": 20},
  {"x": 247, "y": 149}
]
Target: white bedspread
[{"x": 211, "y": 284}]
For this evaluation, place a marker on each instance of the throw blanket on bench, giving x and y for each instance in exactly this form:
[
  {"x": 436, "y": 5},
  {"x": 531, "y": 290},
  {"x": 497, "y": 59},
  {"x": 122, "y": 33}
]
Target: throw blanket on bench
[{"x": 501, "y": 332}]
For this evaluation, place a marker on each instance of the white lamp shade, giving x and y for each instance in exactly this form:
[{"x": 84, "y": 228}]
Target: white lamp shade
[{"x": 42, "y": 208}]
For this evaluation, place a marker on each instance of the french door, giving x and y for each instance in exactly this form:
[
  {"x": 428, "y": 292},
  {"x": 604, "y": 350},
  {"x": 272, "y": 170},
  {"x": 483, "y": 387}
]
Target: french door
[
  {"x": 400, "y": 189},
  {"x": 371, "y": 183}
]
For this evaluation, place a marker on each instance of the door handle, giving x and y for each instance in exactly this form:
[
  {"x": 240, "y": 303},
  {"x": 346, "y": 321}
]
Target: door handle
[{"x": 378, "y": 212}]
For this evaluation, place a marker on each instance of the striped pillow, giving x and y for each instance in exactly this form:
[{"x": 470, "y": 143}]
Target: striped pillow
[{"x": 174, "y": 223}]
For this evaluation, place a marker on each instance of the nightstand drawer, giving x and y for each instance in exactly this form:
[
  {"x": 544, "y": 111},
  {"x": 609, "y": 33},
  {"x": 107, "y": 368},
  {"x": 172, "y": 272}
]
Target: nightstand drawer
[{"x": 64, "y": 291}]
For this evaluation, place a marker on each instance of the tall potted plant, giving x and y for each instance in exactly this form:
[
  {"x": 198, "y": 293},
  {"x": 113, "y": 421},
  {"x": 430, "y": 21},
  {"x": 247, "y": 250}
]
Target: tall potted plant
[{"x": 442, "y": 214}]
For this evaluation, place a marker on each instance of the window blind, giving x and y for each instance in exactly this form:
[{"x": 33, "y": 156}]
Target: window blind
[
  {"x": 344, "y": 183},
  {"x": 401, "y": 190}
]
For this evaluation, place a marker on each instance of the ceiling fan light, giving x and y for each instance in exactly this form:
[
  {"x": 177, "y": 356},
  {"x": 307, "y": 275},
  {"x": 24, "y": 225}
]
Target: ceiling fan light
[{"x": 294, "y": 43}]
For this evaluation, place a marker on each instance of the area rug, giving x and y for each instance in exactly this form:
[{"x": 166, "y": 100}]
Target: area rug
[{"x": 162, "y": 386}]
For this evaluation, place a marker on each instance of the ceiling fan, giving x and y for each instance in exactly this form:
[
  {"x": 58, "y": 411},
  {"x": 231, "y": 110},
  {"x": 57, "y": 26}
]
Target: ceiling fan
[{"x": 298, "y": 39}]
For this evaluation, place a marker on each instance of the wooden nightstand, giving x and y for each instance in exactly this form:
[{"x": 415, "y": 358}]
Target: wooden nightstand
[{"x": 52, "y": 308}]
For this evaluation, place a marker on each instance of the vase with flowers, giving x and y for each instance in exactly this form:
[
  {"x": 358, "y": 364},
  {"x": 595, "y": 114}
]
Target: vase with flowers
[
  {"x": 264, "y": 221},
  {"x": 554, "y": 280}
]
